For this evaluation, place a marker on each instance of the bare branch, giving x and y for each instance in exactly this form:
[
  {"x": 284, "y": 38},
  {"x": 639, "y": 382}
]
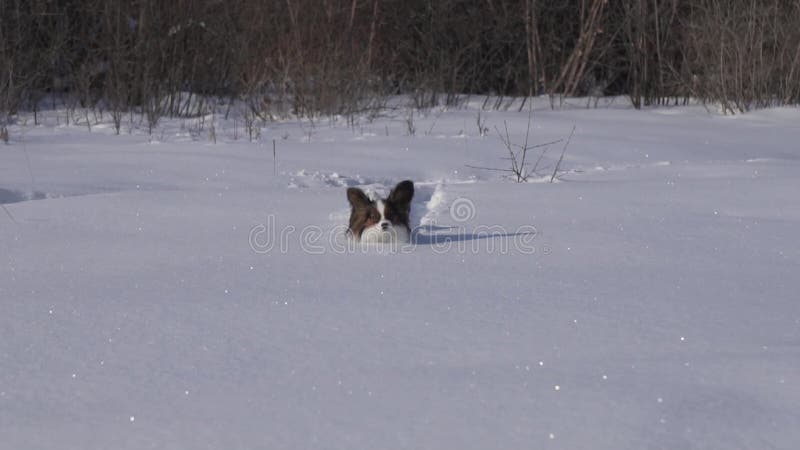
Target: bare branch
[{"x": 563, "y": 151}]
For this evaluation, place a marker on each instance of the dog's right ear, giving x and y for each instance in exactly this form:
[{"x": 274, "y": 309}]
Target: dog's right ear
[{"x": 357, "y": 198}]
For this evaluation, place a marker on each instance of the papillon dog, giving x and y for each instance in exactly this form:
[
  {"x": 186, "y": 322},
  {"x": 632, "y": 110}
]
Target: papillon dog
[{"x": 381, "y": 220}]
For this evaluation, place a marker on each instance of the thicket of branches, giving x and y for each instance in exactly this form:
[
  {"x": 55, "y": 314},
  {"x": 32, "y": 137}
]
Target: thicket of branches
[{"x": 310, "y": 57}]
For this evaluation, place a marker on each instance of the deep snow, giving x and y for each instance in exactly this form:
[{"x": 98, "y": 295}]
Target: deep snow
[{"x": 167, "y": 292}]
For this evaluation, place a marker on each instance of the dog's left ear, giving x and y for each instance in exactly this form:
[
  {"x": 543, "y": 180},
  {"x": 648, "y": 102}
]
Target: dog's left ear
[{"x": 402, "y": 194}]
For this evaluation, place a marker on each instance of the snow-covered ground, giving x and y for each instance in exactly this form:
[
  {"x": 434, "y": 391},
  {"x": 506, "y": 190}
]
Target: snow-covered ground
[{"x": 168, "y": 292}]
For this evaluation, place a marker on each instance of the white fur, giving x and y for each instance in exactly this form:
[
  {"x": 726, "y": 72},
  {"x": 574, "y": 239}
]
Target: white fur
[{"x": 376, "y": 235}]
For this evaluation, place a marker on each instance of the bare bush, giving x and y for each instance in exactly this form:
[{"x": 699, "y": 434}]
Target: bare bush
[
  {"x": 745, "y": 53},
  {"x": 345, "y": 57},
  {"x": 521, "y": 169}
]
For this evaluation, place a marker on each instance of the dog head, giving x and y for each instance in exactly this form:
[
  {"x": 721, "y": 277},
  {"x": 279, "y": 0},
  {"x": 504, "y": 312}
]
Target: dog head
[{"x": 381, "y": 220}]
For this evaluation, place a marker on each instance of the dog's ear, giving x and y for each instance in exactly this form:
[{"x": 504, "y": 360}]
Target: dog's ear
[
  {"x": 357, "y": 198},
  {"x": 402, "y": 194}
]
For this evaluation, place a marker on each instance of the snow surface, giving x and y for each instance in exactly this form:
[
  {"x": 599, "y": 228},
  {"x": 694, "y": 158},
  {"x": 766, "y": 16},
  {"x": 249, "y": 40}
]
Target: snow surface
[{"x": 167, "y": 292}]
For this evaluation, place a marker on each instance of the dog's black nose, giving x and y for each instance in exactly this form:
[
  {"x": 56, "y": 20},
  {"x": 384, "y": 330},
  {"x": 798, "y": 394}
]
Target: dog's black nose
[{"x": 384, "y": 226}]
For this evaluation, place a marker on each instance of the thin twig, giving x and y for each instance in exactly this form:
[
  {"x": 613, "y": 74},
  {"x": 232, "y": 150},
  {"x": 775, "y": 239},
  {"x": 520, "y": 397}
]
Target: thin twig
[
  {"x": 525, "y": 145},
  {"x": 435, "y": 118},
  {"x": 274, "y": 158},
  {"x": 561, "y": 158},
  {"x": 10, "y": 216},
  {"x": 545, "y": 144},
  {"x": 507, "y": 142},
  {"x": 28, "y": 161},
  {"x": 488, "y": 168},
  {"x": 539, "y": 160}
]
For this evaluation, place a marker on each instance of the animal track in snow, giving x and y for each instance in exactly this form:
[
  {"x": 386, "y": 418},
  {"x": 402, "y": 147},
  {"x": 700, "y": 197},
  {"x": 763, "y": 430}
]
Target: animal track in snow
[
  {"x": 304, "y": 179},
  {"x": 8, "y": 196}
]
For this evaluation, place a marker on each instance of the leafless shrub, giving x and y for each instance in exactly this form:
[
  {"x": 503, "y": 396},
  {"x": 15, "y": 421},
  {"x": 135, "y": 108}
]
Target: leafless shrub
[
  {"x": 344, "y": 57},
  {"x": 251, "y": 124},
  {"x": 309, "y": 129},
  {"x": 744, "y": 53},
  {"x": 520, "y": 169},
  {"x": 411, "y": 128},
  {"x": 212, "y": 132},
  {"x": 480, "y": 122}
]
